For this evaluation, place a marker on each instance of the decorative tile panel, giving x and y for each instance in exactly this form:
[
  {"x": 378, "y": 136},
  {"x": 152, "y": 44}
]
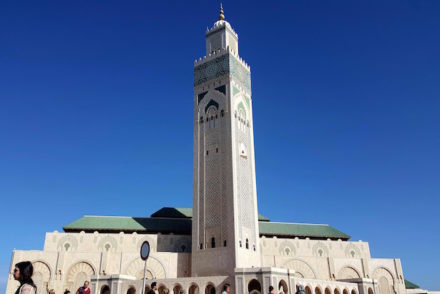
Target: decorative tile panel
[{"x": 222, "y": 65}]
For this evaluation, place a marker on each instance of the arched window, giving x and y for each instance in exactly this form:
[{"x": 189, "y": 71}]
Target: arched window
[
  {"x": 194, "y": 289},
  {"x": 211, "y": 114},
  {"x": 105, "y": 289},
  {"x": 212, "y": 242},
  {"x": 224, "y": 243},
  {"x": 67, "y": 246},
  {"x": 107, "y": 247},
  {"x": 210, "y": 289},
  {"x": 247, "y": 243},
  {"x": 254, "y": 285},
  {"x": 282, "y": 287}
]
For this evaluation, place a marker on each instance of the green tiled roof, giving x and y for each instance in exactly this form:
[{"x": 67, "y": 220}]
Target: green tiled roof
[
  {"x": 411, "y": 285},
  {"x": 178, "y": 221},
  {"x": 301, "y": 230},
  {"x": 130, "y": 224},
  {"x": 173, "y": 212}
]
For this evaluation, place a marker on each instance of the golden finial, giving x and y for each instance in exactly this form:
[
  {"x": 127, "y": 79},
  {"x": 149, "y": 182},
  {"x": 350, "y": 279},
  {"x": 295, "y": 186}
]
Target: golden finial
[{"x": 222, "y": 16}]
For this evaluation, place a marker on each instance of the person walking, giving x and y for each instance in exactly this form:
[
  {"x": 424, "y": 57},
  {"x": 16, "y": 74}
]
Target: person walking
[
  {"x": 226, "y": 289},
  {"x": 84, "y": 289},
  {"x": 271, "y": 290},
  {"x": 153, "y": 288},
  {"x": 23, "y": 272}
]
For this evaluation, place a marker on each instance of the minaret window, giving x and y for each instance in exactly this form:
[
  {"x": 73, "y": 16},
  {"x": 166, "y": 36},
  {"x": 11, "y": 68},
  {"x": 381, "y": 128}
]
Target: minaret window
[
  {"x": 212, "y": 115},
  {"x": 212, "y": 242},
  {"x": 247, "y": 243},
  {"x": 201, "y": 245},
  {"x": 242, "y": 119},
  {"x": 224, "y": 243}
]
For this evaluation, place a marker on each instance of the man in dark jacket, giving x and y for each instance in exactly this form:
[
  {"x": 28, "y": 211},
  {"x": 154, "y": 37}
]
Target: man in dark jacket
[{"x": 153, "y": 288}]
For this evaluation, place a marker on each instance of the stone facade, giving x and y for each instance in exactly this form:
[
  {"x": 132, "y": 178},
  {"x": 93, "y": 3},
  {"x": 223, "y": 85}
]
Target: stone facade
[
  {"x": 113, "y": 259},
  {"x": 226, "y": 244}
]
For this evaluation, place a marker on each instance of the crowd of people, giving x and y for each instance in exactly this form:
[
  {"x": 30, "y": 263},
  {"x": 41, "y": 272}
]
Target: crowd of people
[{"x": 24, "y": 270}]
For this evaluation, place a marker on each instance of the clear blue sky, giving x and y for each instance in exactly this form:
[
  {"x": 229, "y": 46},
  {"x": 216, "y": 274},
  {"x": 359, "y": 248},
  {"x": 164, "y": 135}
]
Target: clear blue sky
[{"x": 96, "y": 115}]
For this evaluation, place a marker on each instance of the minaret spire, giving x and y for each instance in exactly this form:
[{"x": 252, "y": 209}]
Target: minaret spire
[{"x": 221, "y": 16}]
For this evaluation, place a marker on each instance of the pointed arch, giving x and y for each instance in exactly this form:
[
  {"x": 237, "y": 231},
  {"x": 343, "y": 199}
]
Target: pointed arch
[
  {"x": 302, "y": 269},
  {"x": 154, "y": 266}
]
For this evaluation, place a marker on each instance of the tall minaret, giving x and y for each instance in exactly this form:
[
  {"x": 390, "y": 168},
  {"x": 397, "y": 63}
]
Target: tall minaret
[{"x": 225, "y": 219}]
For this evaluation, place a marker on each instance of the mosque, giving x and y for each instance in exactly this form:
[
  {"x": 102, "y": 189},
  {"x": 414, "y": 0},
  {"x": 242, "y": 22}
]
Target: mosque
[{"x": 222, "y": 239}]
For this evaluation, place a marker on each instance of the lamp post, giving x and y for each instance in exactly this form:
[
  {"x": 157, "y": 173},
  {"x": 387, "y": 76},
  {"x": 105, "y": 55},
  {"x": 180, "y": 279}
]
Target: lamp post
[{"x": 145, "y": 252}]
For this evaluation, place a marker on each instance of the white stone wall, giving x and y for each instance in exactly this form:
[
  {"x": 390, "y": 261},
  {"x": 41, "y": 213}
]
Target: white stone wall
[
  {"x": 332, "y": 260},
  {"x": 70, "y": 258}
]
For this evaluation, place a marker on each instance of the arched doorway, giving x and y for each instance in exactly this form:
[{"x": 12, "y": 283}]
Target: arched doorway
[
  {"x": 328, "y": 291},
  {"x": 308, "y": 290},
  {"x": 163, "y": 289},
  {"x": 131, "y": 290},
  {"x": 353, "y": 291},
  {"x": 384, "y": 286},
  {"x": 194, "y": 289},
  {"x": 345, "y": 291},
  {"x": 282, "y": 287},
  {"x": 337, "y": 291},
  {"x": 370, "y": 291},
  {"x": 210, "y": 289},
  {"x": 254, "y": 286},
  {"x": 318, "y": 290},
  {"x": 147, "y": 288},
  {"x": 178, "y": 289},
  {"x": 105, "y": 289}
]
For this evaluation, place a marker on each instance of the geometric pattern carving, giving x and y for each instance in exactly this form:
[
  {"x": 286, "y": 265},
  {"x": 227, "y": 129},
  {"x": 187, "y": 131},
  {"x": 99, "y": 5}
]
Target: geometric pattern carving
[
  {"x": 154, "y": 267},
  {"x": 320, "y": 250},
  {"x": 347, "y": 273},
  {"x": 381, "y": 271},
  {"x": 41, "y": 276},
  {"x": 108, "y": 243},
  {"x": 287, "y": 248},
  {"x": 212, "y": 69},
  {"x": 67, "y": 243},
  {"x": 220, "y": 66},
  {"x": 352, "y": 251},
  {"x": 386, "y": 280},
  {"x": 77, "y": 274},
  {"x": 245, "y": 193},
  {"x": 301, "y": 268}
]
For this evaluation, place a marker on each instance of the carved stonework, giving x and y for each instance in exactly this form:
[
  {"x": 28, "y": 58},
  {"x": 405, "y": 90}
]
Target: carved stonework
[
  {"x": 348, "y": 272},
  {"x": 77, "y": 274},
  {"x": 155, "y": 268},
  {"x": 301, "y": 268}
]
